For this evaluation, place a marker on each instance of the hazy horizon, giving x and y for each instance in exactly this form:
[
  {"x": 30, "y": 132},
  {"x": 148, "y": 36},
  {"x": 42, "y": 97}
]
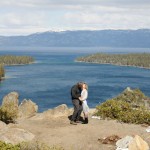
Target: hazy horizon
[{"x": 77, "y": 49}]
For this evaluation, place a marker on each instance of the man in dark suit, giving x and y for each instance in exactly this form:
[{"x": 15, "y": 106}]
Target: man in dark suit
[{"x": 75, "y": 94}]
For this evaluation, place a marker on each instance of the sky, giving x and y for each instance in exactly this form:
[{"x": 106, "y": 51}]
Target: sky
[{"x": 24, "y": 17}]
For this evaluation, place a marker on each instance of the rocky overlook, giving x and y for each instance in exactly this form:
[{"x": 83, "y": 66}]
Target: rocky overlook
[{"x": 53, "y": 127}]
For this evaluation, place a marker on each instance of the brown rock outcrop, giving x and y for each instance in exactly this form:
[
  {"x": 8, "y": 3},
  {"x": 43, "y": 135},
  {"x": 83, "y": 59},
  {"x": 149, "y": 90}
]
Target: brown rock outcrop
[
  {"x": 27, "y": 109},
  {"x": 15, "y": 135},
  {"x": 11, "y": 98},
  {"x": 61, "y": 110},
  {"x": 2, "y": 125},
  {"x": 138, "y": 144}
]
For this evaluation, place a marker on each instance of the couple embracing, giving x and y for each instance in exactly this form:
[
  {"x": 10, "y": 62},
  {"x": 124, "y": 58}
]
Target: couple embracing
[{"x": 79, "y": 94}]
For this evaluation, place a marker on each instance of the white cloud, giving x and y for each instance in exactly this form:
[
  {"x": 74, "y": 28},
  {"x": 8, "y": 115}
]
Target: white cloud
[
  {"x": 22, "y": 19},
  {"x": 28, "y": 16},
  {"x": 56, "y": 3},
  {"x": 110, "y": 18}
]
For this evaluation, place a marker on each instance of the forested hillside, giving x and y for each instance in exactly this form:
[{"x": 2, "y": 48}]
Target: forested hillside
[
  {"x": 2, "y": 71},
  {"x": 13, "y": 60},
  {"x": 138, "y": 60}
]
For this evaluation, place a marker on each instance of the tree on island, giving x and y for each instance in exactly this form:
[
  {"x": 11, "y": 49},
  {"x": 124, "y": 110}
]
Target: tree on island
[
  {"x": 13, "y": 60},
  {"x": 132, "y": 59},
  {"x": 2, "y": 71}
]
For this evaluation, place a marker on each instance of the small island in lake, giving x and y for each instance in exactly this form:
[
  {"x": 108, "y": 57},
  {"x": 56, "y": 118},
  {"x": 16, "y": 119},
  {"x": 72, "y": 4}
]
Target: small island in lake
[
  {"x": 8, "y": 60},
  {"x": 132, "y": 59}
]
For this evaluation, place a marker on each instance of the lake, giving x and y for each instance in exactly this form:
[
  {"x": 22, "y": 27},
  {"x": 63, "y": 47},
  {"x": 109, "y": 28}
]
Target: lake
[{"x": 48, "y": 81}]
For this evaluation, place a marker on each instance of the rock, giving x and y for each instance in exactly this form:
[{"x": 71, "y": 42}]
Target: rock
[
  {"x": 124, "y": 142},
  {"x": 27, "y": 109},
  {"x": 122, "y": 148},
  {"x": 61, "y": 110},
  {"x": 128, "y": 89},
  {"x": 10, "y": 107},
  {"x": 15, "y": 136},
  {"x": 11, "y": 98},
  {"x": 2, "y": 125},
  {"x": 138, "y": 144},
  {"x": 38, "y": 116},
  {"x": 148, "y": 129}
]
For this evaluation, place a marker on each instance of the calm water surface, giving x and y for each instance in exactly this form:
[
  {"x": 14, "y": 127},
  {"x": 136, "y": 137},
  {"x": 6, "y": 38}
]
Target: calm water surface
[{"x": 47, "y": 82}]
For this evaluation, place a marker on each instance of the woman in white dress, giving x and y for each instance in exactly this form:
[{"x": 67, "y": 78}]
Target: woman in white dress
[{"x": 83, "y": 98}]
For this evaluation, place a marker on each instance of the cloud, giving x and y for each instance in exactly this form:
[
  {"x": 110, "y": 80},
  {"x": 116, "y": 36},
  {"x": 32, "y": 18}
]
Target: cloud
[
  {"x": 22, "y": 19},
  {"x": 104, "y": 17},
  {"x": 28, "y": 16},
  {"x": 42, "y": 3}
]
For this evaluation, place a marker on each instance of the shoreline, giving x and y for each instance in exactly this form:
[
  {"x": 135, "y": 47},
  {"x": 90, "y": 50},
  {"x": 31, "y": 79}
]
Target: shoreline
[
  {"x": 19, "y": 64},
  {"x": 113, "y": 64},
  {"x": 3, "y": 78}
]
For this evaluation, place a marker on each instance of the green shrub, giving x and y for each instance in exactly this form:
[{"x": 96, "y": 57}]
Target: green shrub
[
  {"x": 8, "y": 113},
  {"x": 128, "y": 107},
  {"x": 123, "y": 112},
  {"x": 28, "y": 146},
  {"x": 137, "y": 116},
  {"x": 4, "y": 146},
  {"x": 112, "y": 108},
  {"x": 134, "y": 97},
  {"x": 36, "y": 145}
]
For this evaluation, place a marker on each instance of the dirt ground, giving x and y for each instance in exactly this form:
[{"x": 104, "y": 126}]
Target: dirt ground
[{"x": 59, "y": 131}]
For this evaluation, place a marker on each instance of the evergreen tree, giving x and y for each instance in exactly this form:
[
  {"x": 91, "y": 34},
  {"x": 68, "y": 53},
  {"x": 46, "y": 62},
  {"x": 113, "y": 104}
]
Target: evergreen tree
[{"x": 136, "y": 59}]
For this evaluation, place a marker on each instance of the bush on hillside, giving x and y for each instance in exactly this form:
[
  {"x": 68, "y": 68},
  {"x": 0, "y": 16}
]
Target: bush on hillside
[
  {"x": 36, "y": 145},
  {"x": 2, "y": 71},
  {"x": 8, "y": 113},
  {"x": 134, "y": 97},
  {"x": 128, "y": 107},
  {"x": 5, "y": 146},
  {"x": 28, "y": 146}
]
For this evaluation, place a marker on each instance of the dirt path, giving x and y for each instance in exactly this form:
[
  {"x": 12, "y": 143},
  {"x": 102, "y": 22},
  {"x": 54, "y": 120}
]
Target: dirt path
[{"x": 59, "y": 131}]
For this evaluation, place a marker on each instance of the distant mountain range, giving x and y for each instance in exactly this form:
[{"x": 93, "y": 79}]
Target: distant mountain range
[{"x": 82, "y": 38}]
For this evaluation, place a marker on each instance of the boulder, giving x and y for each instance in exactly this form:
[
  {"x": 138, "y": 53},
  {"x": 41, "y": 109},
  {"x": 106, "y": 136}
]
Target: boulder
[
  {"x": 61, "y": 110},
  {"x": 11, "y": 98},
  {"x": 15, "y": 136},
  {"x": 9, "y": 108},
  {"x": 124, "y": 142},
  {"x": 27, "y": 109},
  {"x": 138, "y": 144},
  {"x": 2, "y": 125},
  {"x": 128, "y": 89}
]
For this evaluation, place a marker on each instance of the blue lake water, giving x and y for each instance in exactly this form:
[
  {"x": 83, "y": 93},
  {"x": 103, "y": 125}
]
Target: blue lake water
[{"x": 48, "y": 81}]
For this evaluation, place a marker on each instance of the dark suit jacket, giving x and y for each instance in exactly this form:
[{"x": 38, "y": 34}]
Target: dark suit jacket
[{"x": 75, "y": 92}]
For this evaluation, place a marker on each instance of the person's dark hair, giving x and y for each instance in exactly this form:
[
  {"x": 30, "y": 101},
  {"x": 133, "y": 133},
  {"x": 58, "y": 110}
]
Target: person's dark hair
[{"x": 80, "y": 84}]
